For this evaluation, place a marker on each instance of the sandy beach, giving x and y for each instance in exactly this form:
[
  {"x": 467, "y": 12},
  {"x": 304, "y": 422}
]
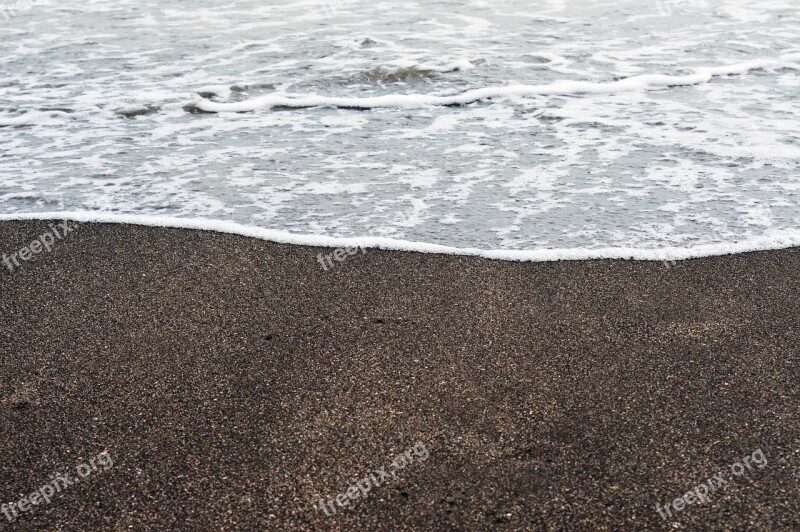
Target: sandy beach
[{"x": 236, "y": 383}]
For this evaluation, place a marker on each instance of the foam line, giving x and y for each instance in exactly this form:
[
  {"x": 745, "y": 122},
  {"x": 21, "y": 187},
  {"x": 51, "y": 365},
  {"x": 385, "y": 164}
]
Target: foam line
[
  {"x": 774, "y": 240},
  {"x": 635, "y": 83}
]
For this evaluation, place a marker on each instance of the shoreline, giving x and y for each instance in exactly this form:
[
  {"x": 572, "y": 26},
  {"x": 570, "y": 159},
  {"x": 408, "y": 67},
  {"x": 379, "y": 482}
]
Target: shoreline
[
  {"x": 785, "y": 239},
  {"x": 237, "y": 383}
]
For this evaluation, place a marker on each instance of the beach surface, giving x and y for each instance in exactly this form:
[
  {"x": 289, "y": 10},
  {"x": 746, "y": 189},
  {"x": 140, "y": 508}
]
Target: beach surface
[{"x": 236, "y": 383}]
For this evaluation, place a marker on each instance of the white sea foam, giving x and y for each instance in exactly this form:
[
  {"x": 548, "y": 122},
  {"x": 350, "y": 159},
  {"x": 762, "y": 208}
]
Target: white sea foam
[{"x": 773, "y": 240}]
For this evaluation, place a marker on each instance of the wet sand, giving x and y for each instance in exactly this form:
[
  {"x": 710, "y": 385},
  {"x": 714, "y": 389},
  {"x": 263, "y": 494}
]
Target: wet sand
[{"x": 234, "y": 383}]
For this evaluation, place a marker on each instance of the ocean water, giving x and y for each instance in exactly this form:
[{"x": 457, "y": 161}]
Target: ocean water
[{"x": 508, "y": 128}]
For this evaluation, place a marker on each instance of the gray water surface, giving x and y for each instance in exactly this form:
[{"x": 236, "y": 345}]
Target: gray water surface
[{"x": 104, "y": 94}]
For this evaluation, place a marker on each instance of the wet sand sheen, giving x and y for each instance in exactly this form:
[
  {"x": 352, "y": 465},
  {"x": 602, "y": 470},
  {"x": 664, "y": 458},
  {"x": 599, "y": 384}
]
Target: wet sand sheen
[{"x": 235, "y": 382}]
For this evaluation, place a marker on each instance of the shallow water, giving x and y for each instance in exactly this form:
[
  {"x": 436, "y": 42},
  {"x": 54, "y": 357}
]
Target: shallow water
[{"x": 102, "y": 106}]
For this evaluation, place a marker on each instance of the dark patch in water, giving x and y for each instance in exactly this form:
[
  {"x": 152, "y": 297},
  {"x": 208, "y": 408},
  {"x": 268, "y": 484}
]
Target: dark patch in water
[
  {"x": 253, "y": 86},
  {"x": 133, "y": 113},
  {"x": 549, "y": 119},
  {"x": 193, "y": 109},
  {"x": 354, "y": 108},
  {"x": 368, "y": 42},
  {"x": 593, "y": 125},
  {"x": 207, "y": 94},
  {"x": 381, "y": 75},
  {"x": 536, "y": 59}
]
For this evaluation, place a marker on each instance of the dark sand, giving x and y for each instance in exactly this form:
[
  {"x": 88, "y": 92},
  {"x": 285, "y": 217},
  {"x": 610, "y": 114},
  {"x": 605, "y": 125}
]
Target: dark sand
[{"x": 234, "y": 382}]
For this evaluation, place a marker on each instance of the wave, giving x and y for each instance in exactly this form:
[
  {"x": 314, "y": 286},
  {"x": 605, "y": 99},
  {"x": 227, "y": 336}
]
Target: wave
[
  {"x": 776, "y": 239},
  {"x": 382, "y": 75},
  {"x": 411, "y": 73},
  {"x": 560, "y": 88}
]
